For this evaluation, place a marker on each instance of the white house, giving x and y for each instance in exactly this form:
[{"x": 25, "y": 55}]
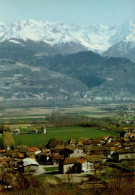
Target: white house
[
  {"x": 16, "y": 132},
  {"x": 67, "y": 165},
  {"x": 30, "y": 164},
  {"x": 74, "y": 152},
  {"x": 43, "y": 130},
  {"x": 77, "y": 152},
  {"x": 126, "y": 155},
  {"x": 76, "y": 165},
  {"x": 84, "y": 165}
]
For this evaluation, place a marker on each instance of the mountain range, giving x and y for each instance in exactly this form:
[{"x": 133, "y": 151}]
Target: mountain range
[
  {"x": 43, "y": 63},
  {"x": 58, "y": 38}
]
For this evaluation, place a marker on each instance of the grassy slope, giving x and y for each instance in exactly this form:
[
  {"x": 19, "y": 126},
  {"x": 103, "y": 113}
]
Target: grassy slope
[{"x": 64, "y": 133}]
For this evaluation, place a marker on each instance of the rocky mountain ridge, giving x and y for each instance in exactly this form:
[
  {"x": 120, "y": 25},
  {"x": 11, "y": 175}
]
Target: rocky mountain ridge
[{"x": 67, "y": 38}]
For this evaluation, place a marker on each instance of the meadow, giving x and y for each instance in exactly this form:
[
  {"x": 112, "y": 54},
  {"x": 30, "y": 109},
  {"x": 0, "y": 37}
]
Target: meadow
[
  {"x": 40, "y": 113},
  {"x": 62, "y": 133}
]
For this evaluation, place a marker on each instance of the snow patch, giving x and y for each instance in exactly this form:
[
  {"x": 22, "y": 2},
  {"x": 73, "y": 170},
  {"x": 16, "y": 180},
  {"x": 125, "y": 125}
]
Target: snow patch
[
  {"x": 35, "y": 69},
  {"x": 14, "y": 41}
]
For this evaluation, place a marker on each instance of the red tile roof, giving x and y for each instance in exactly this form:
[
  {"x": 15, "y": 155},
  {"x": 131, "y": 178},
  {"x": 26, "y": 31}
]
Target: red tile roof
[
  {"x": 21, "y": 155},
  {"x": 129, "y": 134},
  {"x": 80, "y": 143},
  {"x": 2, "y": 151},
  {"x": 33, "y": 149},
  {"x": 126, "y": 128},
  {"x": 82, "y": 160},
  {"x": 114, "y": 148},
  {"x": 126, "y": 139}
]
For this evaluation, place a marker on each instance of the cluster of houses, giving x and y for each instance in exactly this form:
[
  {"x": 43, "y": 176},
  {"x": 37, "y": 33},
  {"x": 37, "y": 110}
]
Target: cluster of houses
[
  {"x": 32, "y": 131},
  {"x": 128, "y": 116},
  {"x": 83, "y": 155}
]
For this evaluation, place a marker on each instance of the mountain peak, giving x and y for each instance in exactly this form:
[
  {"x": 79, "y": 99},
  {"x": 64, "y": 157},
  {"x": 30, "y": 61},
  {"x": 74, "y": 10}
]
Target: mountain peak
[
  {"x": 2, "y": 24},
  {"x": 97, "y": 38},
  {"x": 131, "y": 23}
]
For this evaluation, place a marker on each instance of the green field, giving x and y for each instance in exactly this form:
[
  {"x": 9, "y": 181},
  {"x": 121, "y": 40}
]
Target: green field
[
  {"x": 63, "y": 133},
  {"x": 51, "y": 169}
]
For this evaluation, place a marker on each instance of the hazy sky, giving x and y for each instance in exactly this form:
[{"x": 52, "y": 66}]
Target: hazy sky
[{"x": 82, "y": 12}]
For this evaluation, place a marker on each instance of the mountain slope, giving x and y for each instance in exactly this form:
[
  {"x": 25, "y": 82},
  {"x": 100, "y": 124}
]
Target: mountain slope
[
  {"x": 62, "y": 79},
  {"x": 21, "y": 82},
  {"x": 100, "y": 74},
  {"x": 126, "y": 46},
  {"x": 122, "y": 49}
]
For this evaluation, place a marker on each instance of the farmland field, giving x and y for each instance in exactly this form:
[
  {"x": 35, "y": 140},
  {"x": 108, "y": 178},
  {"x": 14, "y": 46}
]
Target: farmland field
[
  {"x": 64, "y": 133},
  {"x": 40, "y": 113}
]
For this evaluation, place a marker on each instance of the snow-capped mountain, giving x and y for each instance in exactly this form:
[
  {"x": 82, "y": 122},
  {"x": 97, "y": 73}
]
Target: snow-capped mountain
[
  {"x": 2, "y": 29},
  {"x": 97, "y": 38},
  {"x": 126, "y": 45}
]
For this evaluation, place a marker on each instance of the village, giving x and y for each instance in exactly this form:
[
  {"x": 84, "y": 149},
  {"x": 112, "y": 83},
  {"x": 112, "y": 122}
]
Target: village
[{"x": 106, "y": 157}]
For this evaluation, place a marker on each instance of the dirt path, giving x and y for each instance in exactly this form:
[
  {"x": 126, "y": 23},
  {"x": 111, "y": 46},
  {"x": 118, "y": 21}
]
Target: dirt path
[{"x": 41, "y": 170}]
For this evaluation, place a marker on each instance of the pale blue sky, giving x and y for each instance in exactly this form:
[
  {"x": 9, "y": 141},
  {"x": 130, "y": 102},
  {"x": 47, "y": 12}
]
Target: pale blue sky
[{"x": 81, "y": 12}]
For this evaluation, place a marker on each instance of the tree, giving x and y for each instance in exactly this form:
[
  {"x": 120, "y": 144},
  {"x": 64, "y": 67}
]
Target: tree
[
  {"x": 69, "y": 174},
  {"x": 8, "y": 140},
  {"x": 2, "y": 128},
  {"x": 120, "y": 185},
  {"x": 96, "y": 167}
]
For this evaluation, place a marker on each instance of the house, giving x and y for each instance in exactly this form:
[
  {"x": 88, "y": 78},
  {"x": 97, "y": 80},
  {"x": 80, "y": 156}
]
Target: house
[
  {"x": 30, "y": 165},
  {"x": 56, "y": 158},
  {"x": 124, "y": 155},
  {"x": 107, "y": 139},
  {"x": 43, "y": 130},
  {"x": 130, "y": 135},
  {"x": 96, "y": 159},
  {"x": 113, "y": 144},
  {"x": 70, "y": 151},
  {"x": 71, "y": 142},
  {"x": 89, "y": 150},
  {"x": 126, "y": 140},
  {"x": 33, "y": 131},
  {"x": 83, "y": 165},
  {"x": 44, "y": 158},
  {"x": 58, "y": 148},
  {"x": 128, "y": 145},
  {"x": 114, "y": 149},
  {"x": 53, "y": 143},
  {"x": 2, "y": 152},
  {"x": 68, "y": 165},
  {"x": 94, "y": 142},
  {"x": 75, "y": 165},
  {"x": 15, "y": 154},
  {"x": 20, "y": 155},
  {"x": 80, "y": 143},
  {"x": 16, "y": 131},
  {"x": 22, "y": 149},
  {"x": 34, "y": 149},
  {"x": 129, "y": 129}
]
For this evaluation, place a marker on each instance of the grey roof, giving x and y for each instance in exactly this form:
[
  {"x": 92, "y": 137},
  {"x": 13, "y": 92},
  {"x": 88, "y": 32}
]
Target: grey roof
[{"x": 29, "y": 161}]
